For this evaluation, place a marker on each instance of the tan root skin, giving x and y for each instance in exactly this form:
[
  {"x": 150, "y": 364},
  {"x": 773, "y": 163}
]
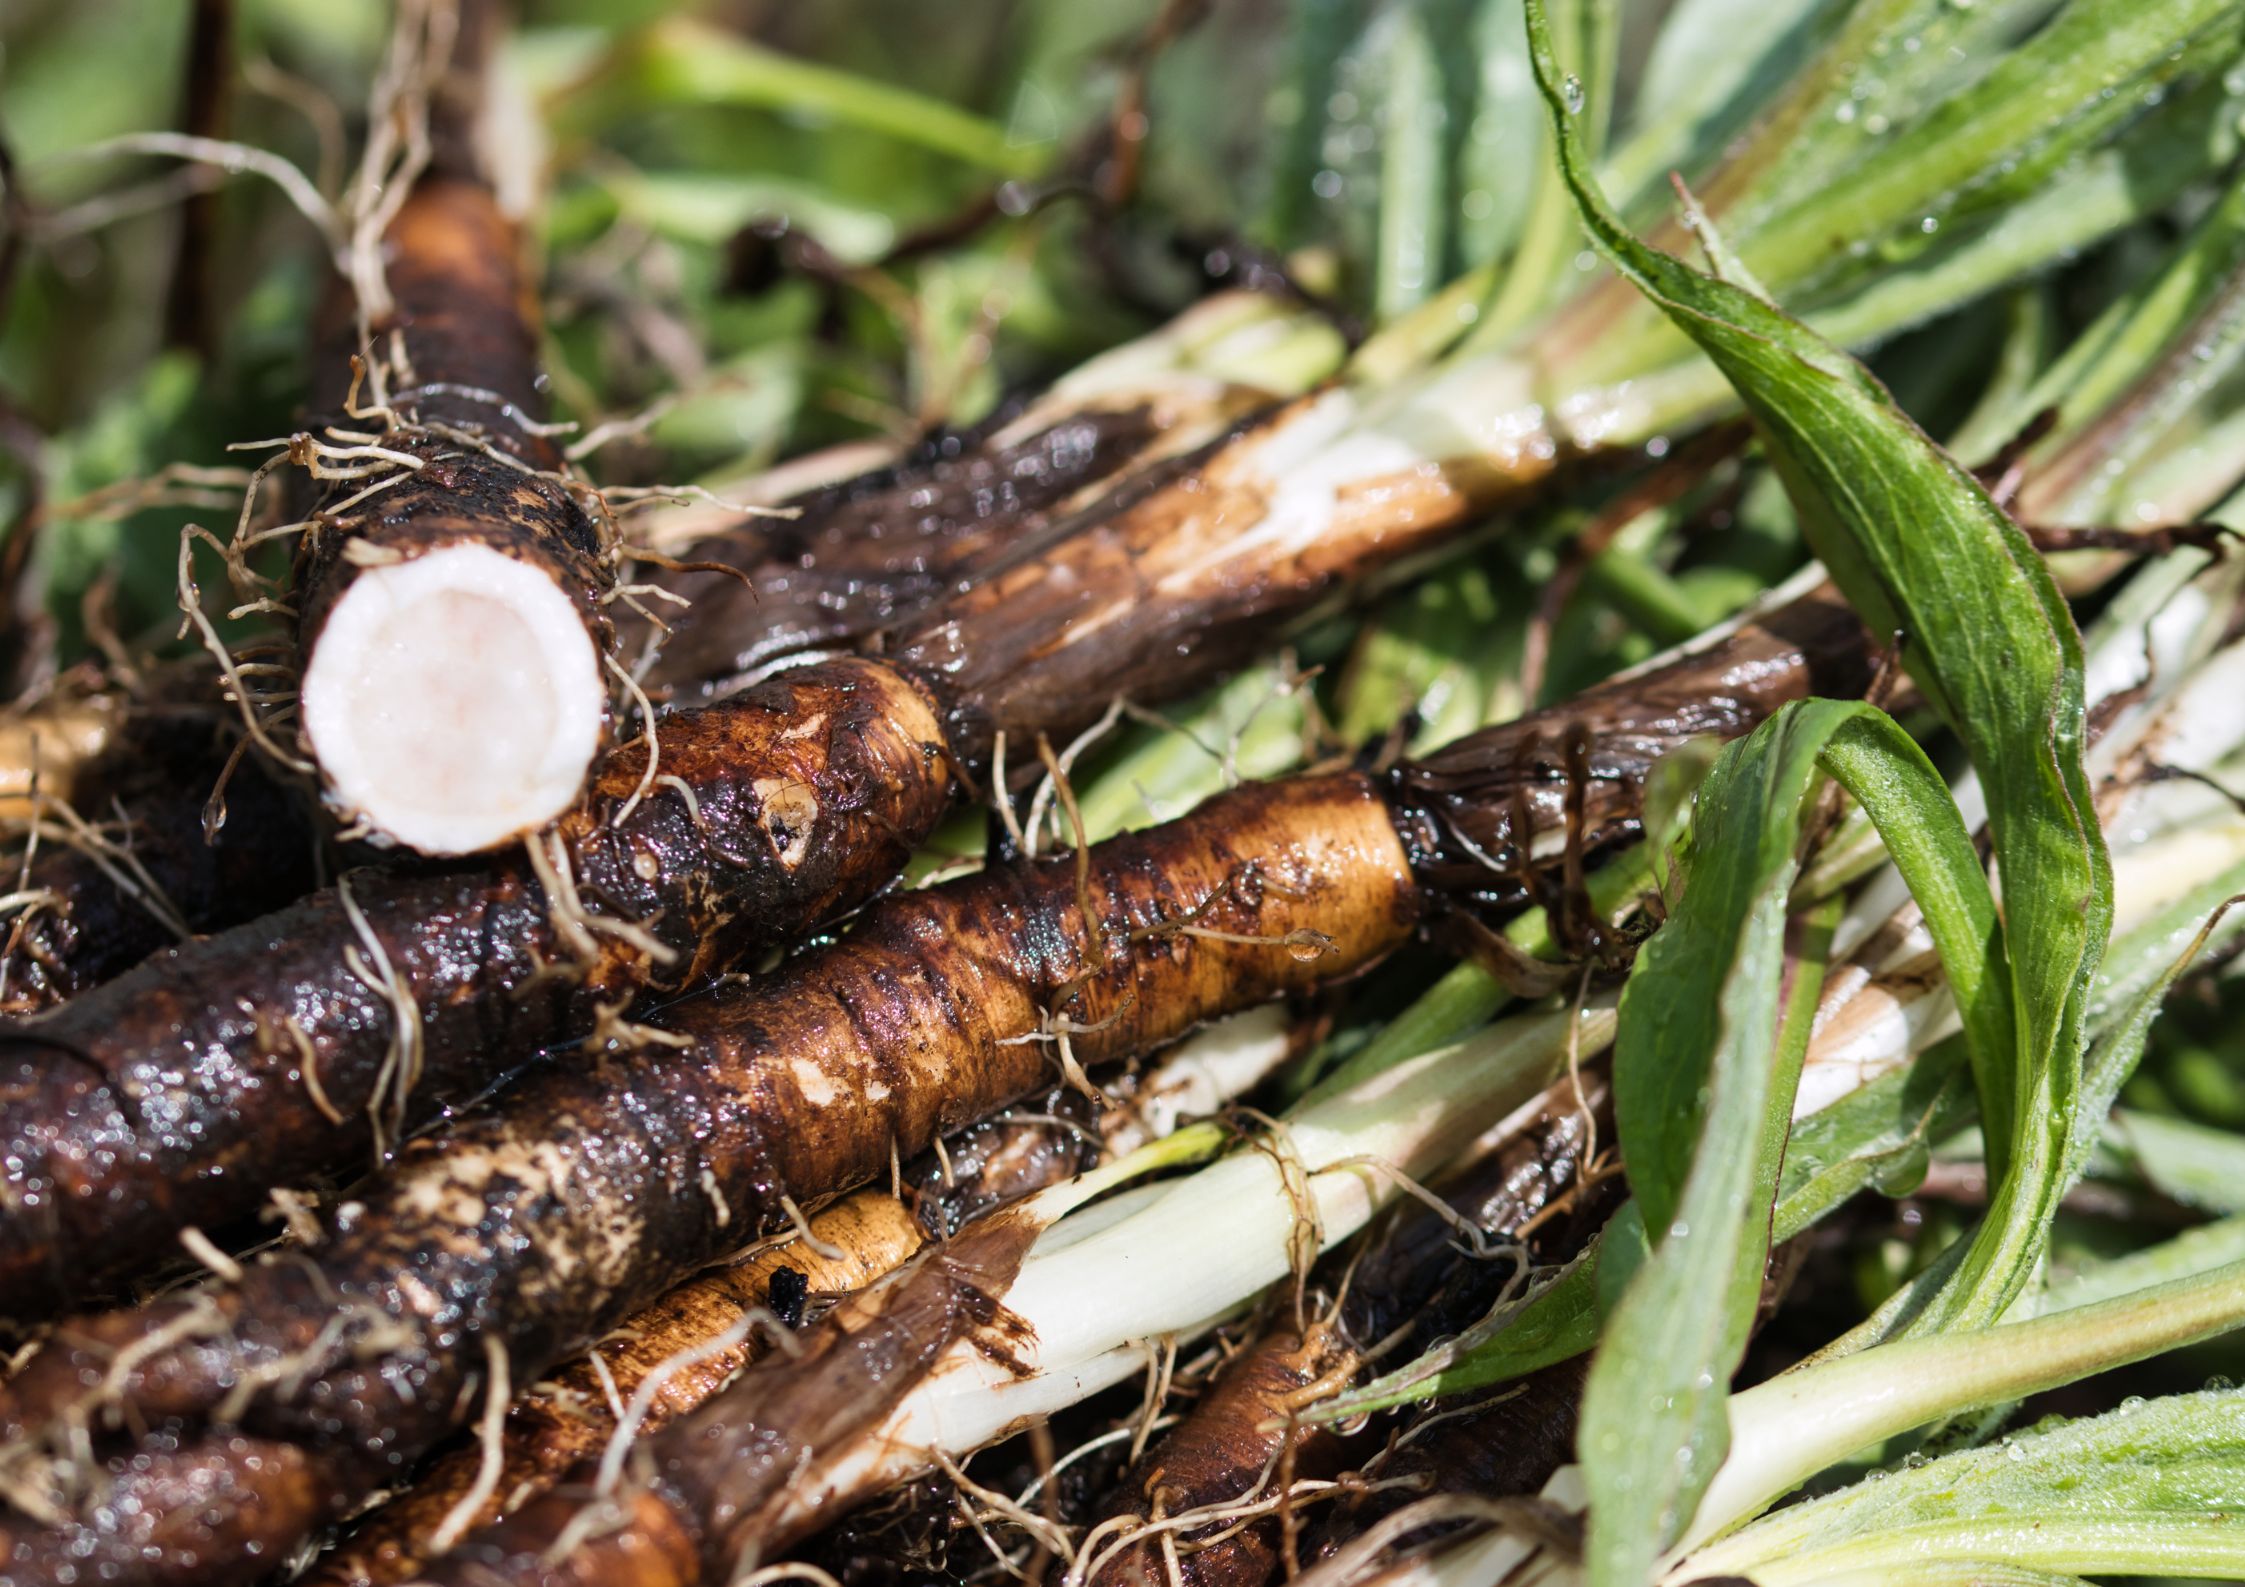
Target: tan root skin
[{"x": 454, "y": 700}]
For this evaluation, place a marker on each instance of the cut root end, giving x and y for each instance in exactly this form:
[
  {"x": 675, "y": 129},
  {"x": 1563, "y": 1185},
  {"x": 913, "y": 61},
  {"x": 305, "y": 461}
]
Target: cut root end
[{"x": 454, "y": 701}]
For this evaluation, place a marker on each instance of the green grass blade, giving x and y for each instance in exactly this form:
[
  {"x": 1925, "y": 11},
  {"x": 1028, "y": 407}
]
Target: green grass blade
[
  {"x": 2093, "y": 51},
  {"x": 685, "y": 61}
]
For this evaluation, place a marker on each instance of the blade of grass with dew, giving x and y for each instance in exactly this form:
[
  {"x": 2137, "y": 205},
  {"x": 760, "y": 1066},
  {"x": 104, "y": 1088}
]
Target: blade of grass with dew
[
  {"x": 1787, "y": 1430},
  {"x": 2185, "y": 140},
  {"x": 1921, "y": 550},
  {"x": 2090, "y": 53},
  {"x": 1712, "y": 65},
  {"x": 2187, "y": 1255},
  {"x": 2148, "y": 1488},
  {"x": 1586, "y": 35},
  {"x": 1887, "y": 60},
  {"x": 2139, "y": 326},
  {"x": 1503, "y": 139},
  {"x": 1962, "y": 155},
  {"x": 1318, "y": 35}
]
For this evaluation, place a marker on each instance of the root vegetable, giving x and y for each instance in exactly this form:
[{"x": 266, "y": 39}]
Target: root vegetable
[
  {"x": 612, "y": 1182},
  {"x": 741, "y": 825},
  {"x": 137, "y": 869},
  {"x": 862, "y": 555},
  {"x": 695, "y": 1335},
  {"x": 449, "y": 589},
  {"x": 178, "y": 1093}
]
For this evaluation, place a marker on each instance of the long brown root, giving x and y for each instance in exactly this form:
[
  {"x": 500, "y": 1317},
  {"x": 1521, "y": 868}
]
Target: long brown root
[
  {"x": 179, "y": 1093},
  {"x": 612, "y": 1182},
  {"x": 696, "y": 1337},
  {"x": 135, "y": 865},
  {"x": 1245, "y": 1440},
  {"x": 667, "y": 1526},
  {"x": 753, "y": 1102}
]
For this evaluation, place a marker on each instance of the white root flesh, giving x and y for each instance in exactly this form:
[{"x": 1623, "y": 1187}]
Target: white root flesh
[{"x": 454, "y": 700}]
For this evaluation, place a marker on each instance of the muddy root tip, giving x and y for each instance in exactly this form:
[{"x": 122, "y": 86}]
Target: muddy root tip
[{"x": 454, "y": 701}]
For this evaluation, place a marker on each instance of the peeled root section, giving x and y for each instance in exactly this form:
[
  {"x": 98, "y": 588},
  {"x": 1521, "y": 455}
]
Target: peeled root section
[{"x": 455, "y": 699}]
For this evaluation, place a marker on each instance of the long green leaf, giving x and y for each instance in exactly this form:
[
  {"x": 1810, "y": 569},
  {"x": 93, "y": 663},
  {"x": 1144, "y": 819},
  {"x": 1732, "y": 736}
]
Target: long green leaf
[
  {"x": 1922, "y": 552},
  {"x": 2148, "y": 1489},
  {"x": 1705, "y": 1065},
  {"x": 2073, "y": 69},
  {"x": 1798, "y": 1424}
]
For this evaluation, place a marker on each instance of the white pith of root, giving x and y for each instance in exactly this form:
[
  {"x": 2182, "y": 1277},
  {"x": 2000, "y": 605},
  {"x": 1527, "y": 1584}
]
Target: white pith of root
[{"x": 454, "y": 700}]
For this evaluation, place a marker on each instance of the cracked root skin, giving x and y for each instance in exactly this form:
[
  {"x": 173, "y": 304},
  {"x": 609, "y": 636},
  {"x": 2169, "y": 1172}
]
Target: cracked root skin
[
  {"x": 589, "y": 1189},
  {"x": 450, "y": 625},
  {"x": 569, "y": 1418},
  {"x": 1190, "y": 566},
  {"x": 177, "y": 1093}
]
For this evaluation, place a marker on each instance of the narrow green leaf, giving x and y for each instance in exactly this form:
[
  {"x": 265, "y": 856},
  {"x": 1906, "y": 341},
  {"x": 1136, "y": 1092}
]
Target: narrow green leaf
[
  {"x": 1881, "y": 1135},
  {"x": 1704, "y": 1085},
  {"x": 1556, "y": 1323},
  {"x": 1923, "y": 552},
  {"x": 1408, "y": 249},
  {"x": 2091, "y": 52},
  {"x": 689, "y": 61},
  {"x": 2150, "y": 1489},
  {"x": 1746, "y": 826},
  {"x": 1796, "y": 1425}
]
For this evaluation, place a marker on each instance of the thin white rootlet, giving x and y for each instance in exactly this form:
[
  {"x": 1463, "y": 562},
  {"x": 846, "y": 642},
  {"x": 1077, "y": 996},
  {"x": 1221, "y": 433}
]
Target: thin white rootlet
[{"x": 454, "y": 700}]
